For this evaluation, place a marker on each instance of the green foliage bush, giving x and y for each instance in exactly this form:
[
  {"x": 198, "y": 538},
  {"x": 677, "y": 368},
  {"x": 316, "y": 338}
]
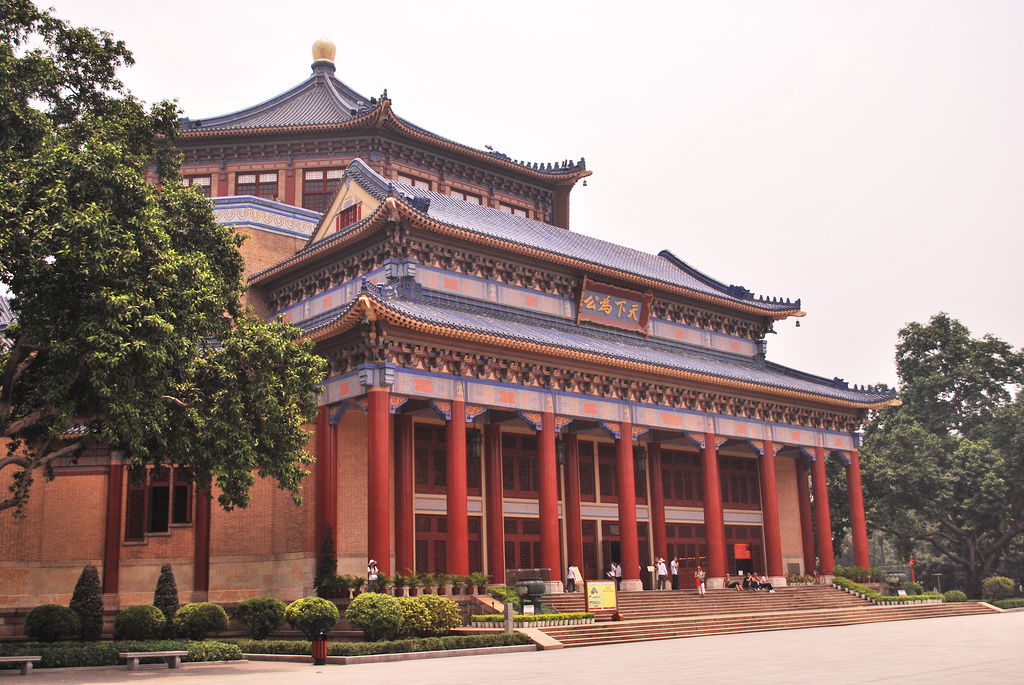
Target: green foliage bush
[
  {"x": 444, "y": 613},
  {"x": 379, "y": 616},
  {"x": 998, "y": 587},
  {"x": 105, "y": 653},
  {"x": 261, "y": 615},
  {"x": 87, "y": 603},
  {"x": 531, "y": 618},
  {"x": 312, "y": 616},
  {"x": 506, "y": 594},
  {"x": 143, "y": 622},
  {"x": 423, "y": 644},
  {"x": 857, "y": 573},
  {"x": 416, "y": 618},
  {"x": 873, "y": 596},
  {"x": 200, "y": 619},
  {"x": 165, "y": 597},
  {"x": 327, "y": 564},
  {"x": 913, "y": 588},
  {"x": 51, "y": 622},
  {"x": 1015, "y": 603},
  {"x": 954, "y": 596}
]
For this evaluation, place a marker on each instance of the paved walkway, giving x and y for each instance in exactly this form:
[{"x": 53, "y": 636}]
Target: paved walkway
[{"x": 963, "y": 650}]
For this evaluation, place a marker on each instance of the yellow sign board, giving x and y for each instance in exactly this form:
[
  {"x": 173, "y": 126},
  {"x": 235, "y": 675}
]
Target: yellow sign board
[{"x": 600, "y": 594}]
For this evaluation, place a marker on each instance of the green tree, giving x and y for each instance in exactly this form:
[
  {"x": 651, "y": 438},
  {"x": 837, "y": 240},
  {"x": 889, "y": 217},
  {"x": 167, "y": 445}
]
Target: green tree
[
  {"x": 129, "y": 331},
  {"x": 87, "y": 603},
  {"x": 946, "y": 467},
  {"x": 165, "y": 597}
]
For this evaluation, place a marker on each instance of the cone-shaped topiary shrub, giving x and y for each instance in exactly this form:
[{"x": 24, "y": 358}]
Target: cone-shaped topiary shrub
[
  {"x": 51, "y": 622},
  {"x": 87, "y": 603},
  {"x": 165, "y": 598}
]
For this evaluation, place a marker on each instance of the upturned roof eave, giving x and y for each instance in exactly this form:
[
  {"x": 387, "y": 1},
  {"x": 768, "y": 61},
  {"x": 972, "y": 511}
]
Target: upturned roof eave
[
  {"x": 381, "y": 117},
  {"x": 373, "y": 309}
]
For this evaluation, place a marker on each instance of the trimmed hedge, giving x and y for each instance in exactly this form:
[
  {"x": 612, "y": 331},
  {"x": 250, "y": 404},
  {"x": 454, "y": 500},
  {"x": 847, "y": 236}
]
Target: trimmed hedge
[
  {"x": 954, "y": 596},
  {"x": 199, "y": 619},
  {"x": 530, "y": 618},
  {"x": 105, "y": 653},
  {"x": 51, "y": 622},
  {"x": 444, "y": 614},
  {"x": 379, "y": 616},
  {"x": 261, "y": 615},
  {"x": 421, "y": 644},
  {"x": 1015, "y": 603},
  {"x": 312, "y": 615},
  {"x": 142, "y": 622},
  {"x": 873, "y": 596}
]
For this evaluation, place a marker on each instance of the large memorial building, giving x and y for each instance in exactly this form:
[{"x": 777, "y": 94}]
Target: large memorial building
[{"x": 503, "y": 392}]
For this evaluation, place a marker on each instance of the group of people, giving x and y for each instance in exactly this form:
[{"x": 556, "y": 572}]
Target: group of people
[{"x": 750, "y": 581}]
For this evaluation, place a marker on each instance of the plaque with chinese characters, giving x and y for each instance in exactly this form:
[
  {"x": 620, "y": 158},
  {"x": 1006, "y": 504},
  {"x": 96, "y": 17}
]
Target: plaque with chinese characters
[{"x": 611, "y": 306}]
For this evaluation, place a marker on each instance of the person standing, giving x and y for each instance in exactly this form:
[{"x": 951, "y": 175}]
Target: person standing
[
  {"x": 698, "y": 579},
  {"x": 662, "y": 573},
  {"x": 572, "y": 577},
  {"x": 674, "y": 567},
  {"x": 372, "y": 572},
  {"x": 615, "y": 573}
]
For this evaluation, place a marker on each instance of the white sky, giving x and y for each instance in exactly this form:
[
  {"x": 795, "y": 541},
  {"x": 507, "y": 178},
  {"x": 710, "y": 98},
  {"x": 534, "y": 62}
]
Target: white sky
[{"x": 865, "y": 156}]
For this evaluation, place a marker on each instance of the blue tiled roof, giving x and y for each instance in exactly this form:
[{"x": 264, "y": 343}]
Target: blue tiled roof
[
  {"x": 663, "y": 267},
  {"x": 624, "y": 346}
]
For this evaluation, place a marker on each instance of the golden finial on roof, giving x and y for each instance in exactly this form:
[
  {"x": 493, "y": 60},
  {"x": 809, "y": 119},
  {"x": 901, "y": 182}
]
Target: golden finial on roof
[{"x": 323, "y": 50}]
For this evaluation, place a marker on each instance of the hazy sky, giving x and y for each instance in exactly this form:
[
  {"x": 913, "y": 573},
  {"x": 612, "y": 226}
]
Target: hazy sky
[{"x": 863, "y": 156}]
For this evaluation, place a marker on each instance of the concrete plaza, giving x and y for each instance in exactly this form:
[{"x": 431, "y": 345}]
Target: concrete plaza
[{"x": 969, "y": 649}]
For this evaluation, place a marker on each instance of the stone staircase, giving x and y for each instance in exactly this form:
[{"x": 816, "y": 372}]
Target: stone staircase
[{"x": 682, "y": 613}]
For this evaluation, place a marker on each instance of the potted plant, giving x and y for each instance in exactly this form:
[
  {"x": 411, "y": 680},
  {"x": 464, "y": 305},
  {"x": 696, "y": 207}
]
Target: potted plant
[
  {"x": 478, "y": 580},
  {"x": 398, "y": 582},
  {"x": 462, "y": 583},
  {"x": 429, "y": 583},
  {"x": 413, "y": 582},
  {"x": 448, "y": 581},
  {"x": 355, "y": 584}
]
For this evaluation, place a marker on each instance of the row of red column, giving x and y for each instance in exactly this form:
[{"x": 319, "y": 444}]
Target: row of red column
[{"x": 379, "y": 509}]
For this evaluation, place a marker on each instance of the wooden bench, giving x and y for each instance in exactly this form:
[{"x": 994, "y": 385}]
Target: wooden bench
[
  {"x": 173, "y": 658},
  {"x": 25, "y": 661}
]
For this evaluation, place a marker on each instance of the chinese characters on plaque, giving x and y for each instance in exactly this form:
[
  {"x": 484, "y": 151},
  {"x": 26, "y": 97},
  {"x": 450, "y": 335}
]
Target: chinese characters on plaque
[{"x": 612, "y": 306}]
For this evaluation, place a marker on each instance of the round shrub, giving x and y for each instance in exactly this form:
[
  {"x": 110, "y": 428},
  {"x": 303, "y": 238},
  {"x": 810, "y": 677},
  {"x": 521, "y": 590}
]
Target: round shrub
[
  {"x": 143, "y": 622},
  {"x": 954, "y": 596},
  {"x": 312, "y": 616},
  {"x": 261, "y": 615},
  {"x": 378, "y": 616},
  {"x": 416, "y": 618},
  {"x": 444, "y": 613},
  {"x": 51, "y": 622},
  {"x": 199, "y": 619},
  {"x": 997, "y": 587}
]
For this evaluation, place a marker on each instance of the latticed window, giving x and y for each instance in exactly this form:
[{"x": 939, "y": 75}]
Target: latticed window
[
  {"x": 520, "y": 475},
  {"x": 431, "y": 461},
  {"x": 156, "y": 499},
  {"x": 347, "y": 217},
  {"x": 319, "y": 186},
  {"x": 466, "y": 197},
  {"x": 200, "y": 183},
  {"x": 740, "y": 483},
  {"x": 681, "y": 481},
  {"x": 261, "y": 184},
  {"x": 414, "y": 182},
  {"x": 513, "y": 210}
]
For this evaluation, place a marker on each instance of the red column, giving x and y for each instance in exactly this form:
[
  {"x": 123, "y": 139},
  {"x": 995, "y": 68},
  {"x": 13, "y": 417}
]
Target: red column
[
  {"x": 458, "y": 508},
  {"x": 822, "y": 518},
  {"x": 630, "y": 561},
  {"x": 857, "y": 525},
  {"x": 112, "y": 528},
  {"x": 803, "y": 495},
  {"x": 573, "y": 518},
  {"x": 550, "y": 549},
  {"x": 201, "y": 555},
  {"x": 714, "y": 521},
  {"x": 494, "y": 504},
  {"x": 326, "y": 477},
  {"x": 770, "y": 514},
  {"x": 405, "y": 519},
  {"x": 654, "y": 477},
  {"x": 378, "y": 479}
]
